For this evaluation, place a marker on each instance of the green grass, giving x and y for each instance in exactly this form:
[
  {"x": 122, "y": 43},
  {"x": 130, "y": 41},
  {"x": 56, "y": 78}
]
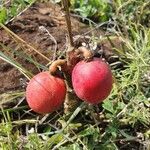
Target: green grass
[
  {"x": 121, "y": 121},
  {"x": 10, "y": 9}
]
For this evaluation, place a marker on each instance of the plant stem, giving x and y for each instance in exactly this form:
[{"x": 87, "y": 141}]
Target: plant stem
[{"x": 68, "y": 22}]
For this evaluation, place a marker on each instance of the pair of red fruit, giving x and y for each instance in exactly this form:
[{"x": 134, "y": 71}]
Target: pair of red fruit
[{"x": 92, "y": 82}]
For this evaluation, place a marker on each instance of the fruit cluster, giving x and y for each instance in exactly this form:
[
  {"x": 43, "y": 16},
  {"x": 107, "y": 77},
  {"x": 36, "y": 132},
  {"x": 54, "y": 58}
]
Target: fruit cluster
[{"x": 91, "y": 80}]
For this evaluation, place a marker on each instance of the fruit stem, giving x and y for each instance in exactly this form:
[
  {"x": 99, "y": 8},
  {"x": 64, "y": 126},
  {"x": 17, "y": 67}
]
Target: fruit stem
[
  {"x": 57, "y": 63},
  {"x": 87, "y": 54}
]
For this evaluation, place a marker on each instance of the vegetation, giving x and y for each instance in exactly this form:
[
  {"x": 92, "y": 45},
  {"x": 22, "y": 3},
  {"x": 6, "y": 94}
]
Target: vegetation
[
  {"x": 10, "y": 9},
  {"x": 122, "y": 121}
]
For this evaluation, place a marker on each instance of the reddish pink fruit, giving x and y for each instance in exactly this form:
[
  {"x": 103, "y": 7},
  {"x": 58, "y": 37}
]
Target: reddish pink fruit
[
  {"x": 92, "y": 81},
  {"x": 45, "y": 93}
]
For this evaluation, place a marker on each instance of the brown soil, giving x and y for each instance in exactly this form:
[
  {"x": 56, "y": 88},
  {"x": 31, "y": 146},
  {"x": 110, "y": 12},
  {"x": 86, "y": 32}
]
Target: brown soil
[{"x": 29, "y": 27}]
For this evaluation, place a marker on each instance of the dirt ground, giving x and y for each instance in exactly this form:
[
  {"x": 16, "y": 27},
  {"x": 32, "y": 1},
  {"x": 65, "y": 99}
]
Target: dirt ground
[{"x": 43, "y": 27}]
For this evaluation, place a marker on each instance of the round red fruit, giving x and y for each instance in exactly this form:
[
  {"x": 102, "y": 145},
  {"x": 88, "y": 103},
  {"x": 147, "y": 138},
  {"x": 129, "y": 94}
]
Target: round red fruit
[
  {"x": 45, "y": 93},
  {"x": 92, "y": 81}
]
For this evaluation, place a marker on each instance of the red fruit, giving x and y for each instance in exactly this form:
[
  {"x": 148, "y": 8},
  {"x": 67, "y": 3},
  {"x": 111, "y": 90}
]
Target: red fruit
[
  {"x": 45, "y": 93},
  {"x": 92, "y": 81}
]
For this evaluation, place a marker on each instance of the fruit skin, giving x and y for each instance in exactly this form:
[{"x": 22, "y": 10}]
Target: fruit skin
[
  {"x": 45, "y": 93},
  {"x": 92, "y": 81}
]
